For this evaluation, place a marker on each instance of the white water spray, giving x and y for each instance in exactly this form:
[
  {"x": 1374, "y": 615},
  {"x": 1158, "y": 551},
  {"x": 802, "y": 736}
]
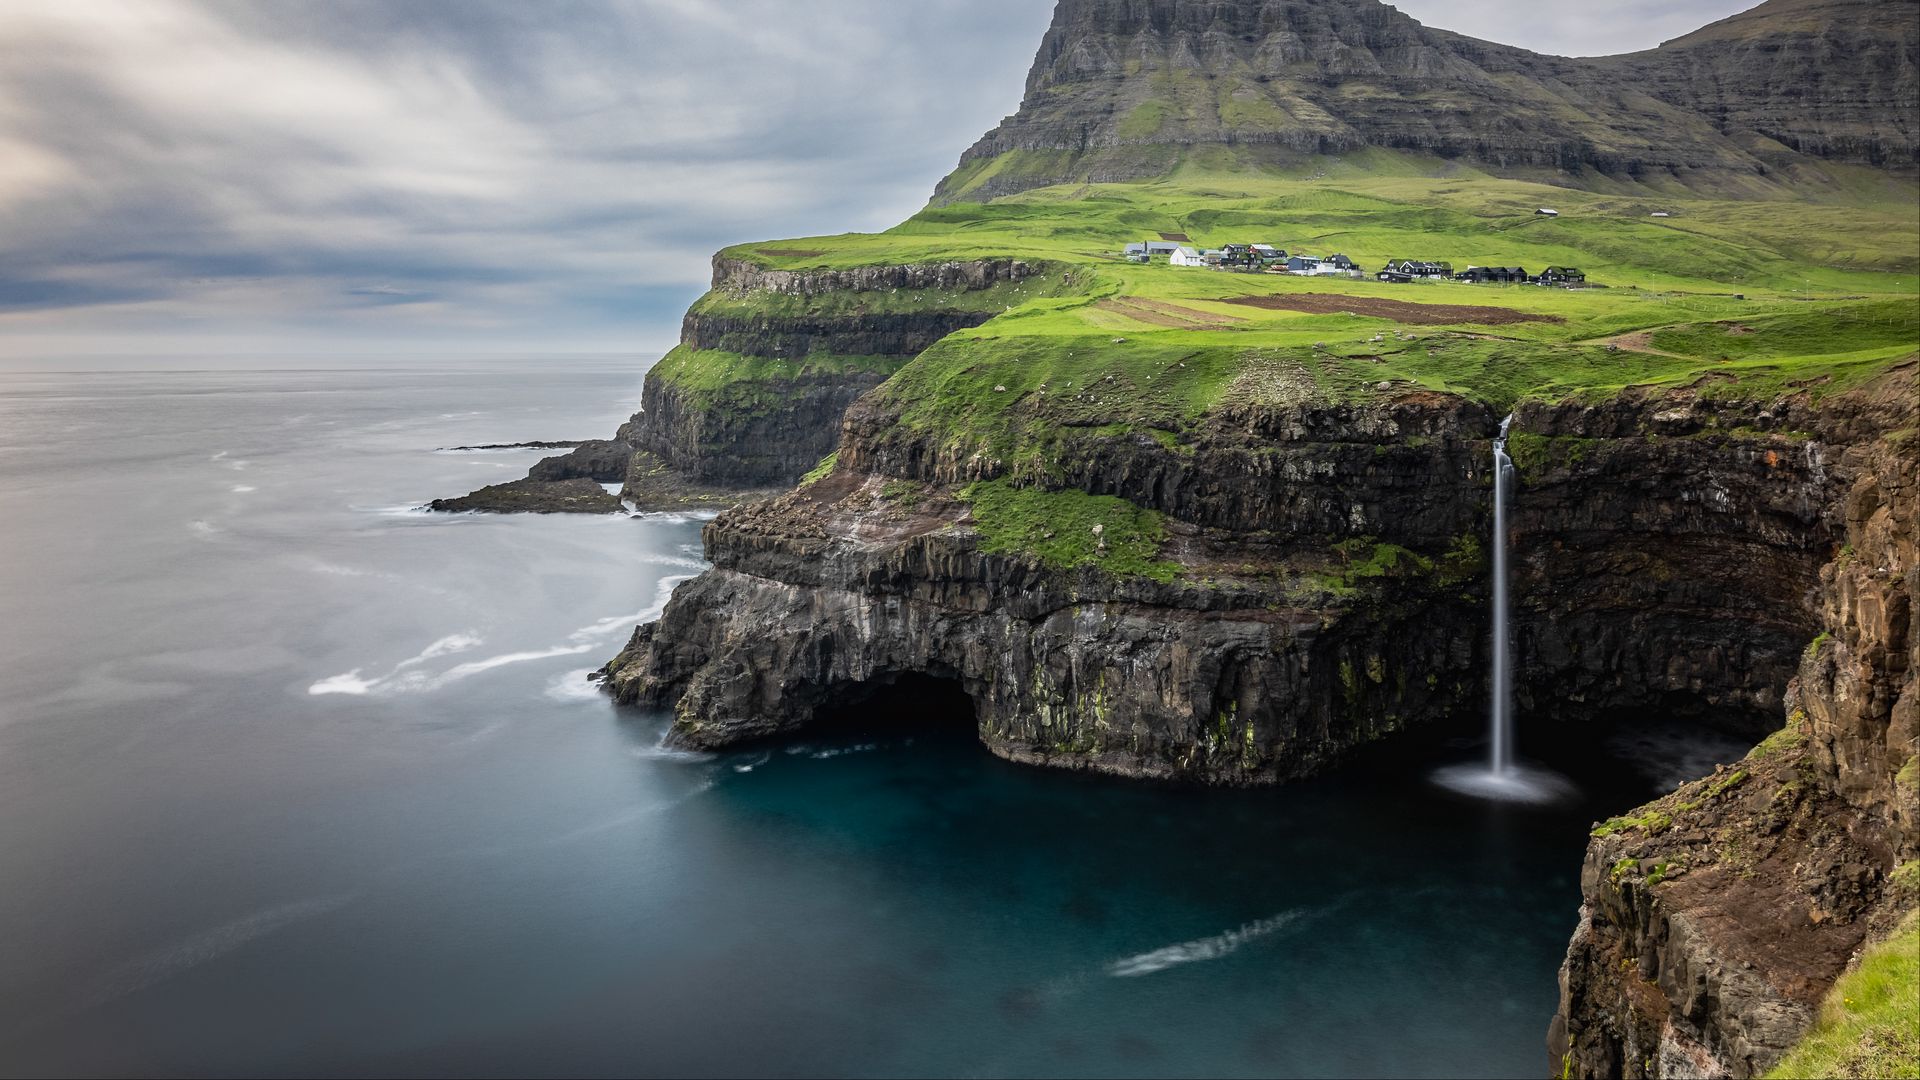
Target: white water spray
[{"x": 1501, "y": 778}]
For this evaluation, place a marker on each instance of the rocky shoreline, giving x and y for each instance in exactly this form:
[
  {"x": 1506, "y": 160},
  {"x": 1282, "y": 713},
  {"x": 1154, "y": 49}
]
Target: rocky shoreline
[{"x": 1675, "y": 551}]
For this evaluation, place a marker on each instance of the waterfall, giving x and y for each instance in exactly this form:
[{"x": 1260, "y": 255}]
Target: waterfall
[
  {"x": 1502, "y": 778},
  {"x": 1500, "y": 719}
]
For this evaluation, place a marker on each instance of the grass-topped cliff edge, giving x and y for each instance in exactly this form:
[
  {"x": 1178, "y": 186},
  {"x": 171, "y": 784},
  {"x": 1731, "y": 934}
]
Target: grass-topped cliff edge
[{"x": 1742, "y": 299}]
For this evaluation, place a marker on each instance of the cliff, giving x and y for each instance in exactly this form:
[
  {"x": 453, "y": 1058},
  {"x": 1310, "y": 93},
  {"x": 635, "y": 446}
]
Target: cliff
[
  {"x": 1272, "y": 651},
  {"x": 752, "y": 397},
  {"x": 1714, "y": 919}
]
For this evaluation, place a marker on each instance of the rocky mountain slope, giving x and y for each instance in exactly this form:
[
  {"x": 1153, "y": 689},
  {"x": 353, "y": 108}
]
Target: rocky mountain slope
[
  {"x": 1124, "y": 90},
  {"x": 1833, "y": 79}
]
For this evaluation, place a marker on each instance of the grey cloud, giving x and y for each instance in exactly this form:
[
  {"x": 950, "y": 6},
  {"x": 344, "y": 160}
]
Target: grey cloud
[{"x": 494, "y": 172}]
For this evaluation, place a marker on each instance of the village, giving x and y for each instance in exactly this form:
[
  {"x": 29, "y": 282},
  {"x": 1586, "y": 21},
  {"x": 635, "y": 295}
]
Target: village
[{"x": 1252, "y": 258}]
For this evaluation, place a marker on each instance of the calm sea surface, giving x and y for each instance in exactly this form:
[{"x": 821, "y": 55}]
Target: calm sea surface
[{"x": 294, "y": 779}]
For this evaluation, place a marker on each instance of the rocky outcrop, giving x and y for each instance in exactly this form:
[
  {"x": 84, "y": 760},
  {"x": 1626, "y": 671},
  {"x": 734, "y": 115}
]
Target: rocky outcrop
[
  {"x": 529, "y": 496},
  {"x": 1123, "y": 89},
  {"x": 600, "y": 460},
  {"x": 1666, "y": 546},
  {"x": 1715, "y": 918},
  {"x": 735, "y": 275},
  {"x": 765, "y": 436},
  {"x": 706, "y": 435},
  {"x": 1263, "y": 663},
  {"x": 825, "y": 593}
]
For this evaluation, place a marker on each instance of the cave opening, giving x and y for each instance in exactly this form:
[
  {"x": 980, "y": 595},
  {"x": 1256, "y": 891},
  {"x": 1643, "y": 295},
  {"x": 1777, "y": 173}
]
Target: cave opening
[
  {"x": 1637, "y": 747},
  {"x": 913, "y": 703}
]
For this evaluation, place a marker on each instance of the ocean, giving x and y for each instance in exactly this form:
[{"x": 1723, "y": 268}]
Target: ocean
[{"x": 296, "y": 778}]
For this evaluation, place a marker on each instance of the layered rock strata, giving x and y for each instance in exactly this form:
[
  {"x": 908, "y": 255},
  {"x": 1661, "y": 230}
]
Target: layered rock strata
[
  {"x": 1122, "y": 90},
  {"x": 1714, "y": 919},
  {"x": 1259, "y": 664}
]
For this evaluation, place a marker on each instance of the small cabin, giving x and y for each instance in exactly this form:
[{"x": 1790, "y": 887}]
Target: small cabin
[
  {"x": 1499, "y": 275},
  {"x": 1185, "y": 256},
  {"x": 1660, "y": 213},
  {"x": 1546, "y": 212}
]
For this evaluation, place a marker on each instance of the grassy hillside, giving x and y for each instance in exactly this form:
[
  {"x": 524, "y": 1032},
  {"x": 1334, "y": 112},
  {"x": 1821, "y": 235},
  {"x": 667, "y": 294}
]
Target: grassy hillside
[
  {"x": 1754, "y": 295},
  {"x": 1735, "y": 298}
]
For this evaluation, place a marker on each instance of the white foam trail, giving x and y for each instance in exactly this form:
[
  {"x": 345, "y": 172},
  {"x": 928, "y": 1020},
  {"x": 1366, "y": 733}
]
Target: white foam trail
[
  {"x": 683, "y": 561},
  {"x": 612, "y": 624},
  {"x": 204, "y": 528},
  {"x": 638, "y": 813},
  {"x": 662, "y": 593},
  {"x": 839, "y": 751},
  {"x": 402, "y": 678},
  {"x": 749, "y": 766},
  {"x": 347, "y": 683},
  {"x": 660, "y": 751},
  {"x": 678, "y": 517},
  {"x": 574, "y": 686},
  {"x": 243, "y": 489},
  {"x": 337, "y": 570},
  {"x": 415, "y": 680},
  {"x": 1199, "y": 949},
  {"x": 446, "y": 646},
  {"x": 208, "y": 945}
]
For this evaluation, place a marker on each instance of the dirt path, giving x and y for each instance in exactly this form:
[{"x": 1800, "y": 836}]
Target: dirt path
[
  {"x": 1400, "y": 311},
  {"x": 1640, "y": 341}
]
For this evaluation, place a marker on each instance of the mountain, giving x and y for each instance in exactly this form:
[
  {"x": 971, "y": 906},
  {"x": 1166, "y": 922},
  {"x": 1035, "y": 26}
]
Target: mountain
[
  {"x": 1132, "y": 89},
  {"x": 1833, "y": 79}
]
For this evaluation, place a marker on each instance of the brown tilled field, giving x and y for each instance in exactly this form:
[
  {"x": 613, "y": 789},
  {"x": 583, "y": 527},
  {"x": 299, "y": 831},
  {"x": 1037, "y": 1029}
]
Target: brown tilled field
[
  {"x": 1161, "y": 313},
  {"x": 1400, "y": 311}
]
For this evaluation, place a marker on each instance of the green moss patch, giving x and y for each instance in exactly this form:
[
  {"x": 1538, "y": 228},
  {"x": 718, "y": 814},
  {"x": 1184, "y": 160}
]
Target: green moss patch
[{"x": 1069, "y": 529}]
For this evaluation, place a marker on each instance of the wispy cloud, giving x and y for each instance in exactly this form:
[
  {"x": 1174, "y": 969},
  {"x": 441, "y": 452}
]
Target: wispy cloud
[{"x": 225, "y": 175}]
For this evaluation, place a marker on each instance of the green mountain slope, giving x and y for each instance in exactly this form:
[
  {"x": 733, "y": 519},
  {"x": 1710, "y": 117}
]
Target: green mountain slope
[{"x": 1122, "y": 90}]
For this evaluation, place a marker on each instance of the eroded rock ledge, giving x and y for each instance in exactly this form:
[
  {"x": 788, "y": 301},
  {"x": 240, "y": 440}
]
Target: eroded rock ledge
[
  {"x": 1714, "y": 919},
  {"x": 716, "y": 441}
]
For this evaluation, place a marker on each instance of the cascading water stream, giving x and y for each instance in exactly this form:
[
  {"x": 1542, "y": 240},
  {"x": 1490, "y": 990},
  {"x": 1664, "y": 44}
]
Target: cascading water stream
[
  {"x": 1501, "y": 777},
  {"x": 1499, "y": 718}
]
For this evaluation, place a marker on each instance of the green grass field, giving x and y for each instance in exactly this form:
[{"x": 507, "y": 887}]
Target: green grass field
[
  {"x": 1736, "y": 298},
  {"x": 1757, "y": 293}
]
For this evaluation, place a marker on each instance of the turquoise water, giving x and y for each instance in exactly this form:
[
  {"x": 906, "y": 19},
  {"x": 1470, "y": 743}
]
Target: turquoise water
[{"x": 295, "y": 780}]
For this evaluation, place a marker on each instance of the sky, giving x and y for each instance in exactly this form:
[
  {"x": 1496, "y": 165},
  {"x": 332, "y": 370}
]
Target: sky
[{"x": 218, "y": 177}]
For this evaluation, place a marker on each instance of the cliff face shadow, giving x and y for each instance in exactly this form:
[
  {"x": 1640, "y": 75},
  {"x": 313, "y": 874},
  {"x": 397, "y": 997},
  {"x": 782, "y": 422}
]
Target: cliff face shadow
[{"x": 905, "y": 703}]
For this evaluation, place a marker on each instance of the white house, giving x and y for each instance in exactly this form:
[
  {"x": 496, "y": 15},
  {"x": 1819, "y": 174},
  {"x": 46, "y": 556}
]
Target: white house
[{"x": 1185, "y": 256}]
